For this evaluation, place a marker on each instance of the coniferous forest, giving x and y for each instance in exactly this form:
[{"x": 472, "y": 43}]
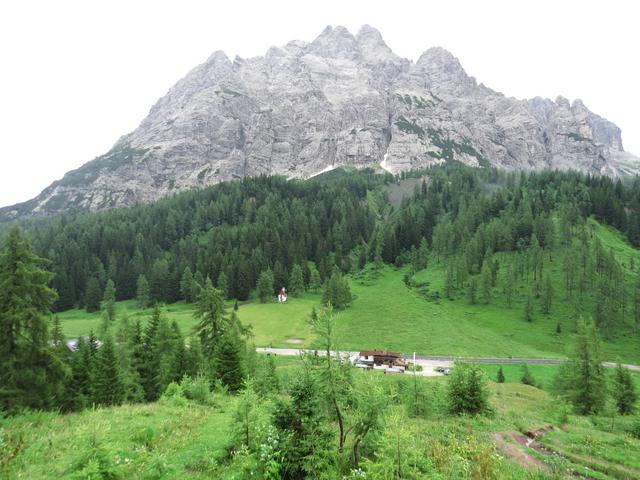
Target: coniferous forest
[{"x": 494, "y": 237}]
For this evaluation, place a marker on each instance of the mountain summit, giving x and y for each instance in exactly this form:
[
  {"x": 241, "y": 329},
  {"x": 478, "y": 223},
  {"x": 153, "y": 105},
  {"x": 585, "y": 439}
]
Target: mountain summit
[{"x": 341, "y": 99}]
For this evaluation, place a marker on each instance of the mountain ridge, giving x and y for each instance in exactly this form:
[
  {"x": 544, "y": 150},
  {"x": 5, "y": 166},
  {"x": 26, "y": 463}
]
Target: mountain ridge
[{"x": 341, "y": 99}]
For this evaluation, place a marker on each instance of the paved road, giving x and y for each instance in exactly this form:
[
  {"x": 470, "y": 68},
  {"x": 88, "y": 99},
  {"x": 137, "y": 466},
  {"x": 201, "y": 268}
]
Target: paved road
[{"x": 431, "y": 361}]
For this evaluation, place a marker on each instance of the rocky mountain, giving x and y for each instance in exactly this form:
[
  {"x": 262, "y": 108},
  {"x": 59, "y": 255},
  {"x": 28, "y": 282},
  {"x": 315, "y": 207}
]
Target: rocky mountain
[{"x": 341, "y": 99}]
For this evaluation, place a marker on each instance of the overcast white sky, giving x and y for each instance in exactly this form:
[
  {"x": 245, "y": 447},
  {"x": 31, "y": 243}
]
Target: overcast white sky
[{"x": 76, "y": 75}]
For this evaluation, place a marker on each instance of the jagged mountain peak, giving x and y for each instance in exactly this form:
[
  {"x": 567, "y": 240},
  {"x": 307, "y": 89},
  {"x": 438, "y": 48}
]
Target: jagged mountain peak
[{"x": 341, "y": 99}]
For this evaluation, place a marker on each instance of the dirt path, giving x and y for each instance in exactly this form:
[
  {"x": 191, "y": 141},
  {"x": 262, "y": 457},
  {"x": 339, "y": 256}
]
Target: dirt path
[{"x": 505, "y": 443}]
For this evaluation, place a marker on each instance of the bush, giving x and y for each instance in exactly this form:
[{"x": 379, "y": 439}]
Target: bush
[
  {"x": 467, "y": 391},
  {"x": 174, "y": 395},
  {"x": 197, "y": 389}
]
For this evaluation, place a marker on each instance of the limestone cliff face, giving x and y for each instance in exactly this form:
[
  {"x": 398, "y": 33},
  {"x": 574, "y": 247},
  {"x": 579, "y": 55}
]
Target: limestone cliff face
[{"x": 340, "y": 100}]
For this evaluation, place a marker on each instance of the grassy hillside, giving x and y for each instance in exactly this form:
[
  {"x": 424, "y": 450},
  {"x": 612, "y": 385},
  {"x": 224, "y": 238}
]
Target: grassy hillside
[
  {"x": 387, "y": 314},
  {"x": 171, "y": 439}
]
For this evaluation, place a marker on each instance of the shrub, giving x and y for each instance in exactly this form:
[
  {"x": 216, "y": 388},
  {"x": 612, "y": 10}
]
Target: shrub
[
  {"x": 197, "y": 389},
  {"x": 174, "y": 395},
  {"x": 467, "y": 391}
]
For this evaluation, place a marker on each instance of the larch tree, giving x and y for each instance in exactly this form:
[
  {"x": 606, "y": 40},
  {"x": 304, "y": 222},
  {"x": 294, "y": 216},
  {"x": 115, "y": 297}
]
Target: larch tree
[
  {"x": 547, "y": 295},
  {"x": 211, "y": 315},
  {"x": 582, "y": 380},
  {"x": 109, "y": 301}
]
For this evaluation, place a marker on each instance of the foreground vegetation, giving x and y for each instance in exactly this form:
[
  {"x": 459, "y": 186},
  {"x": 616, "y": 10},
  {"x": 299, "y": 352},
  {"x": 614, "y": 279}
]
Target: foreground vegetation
[{"x": 202, "y": 437}]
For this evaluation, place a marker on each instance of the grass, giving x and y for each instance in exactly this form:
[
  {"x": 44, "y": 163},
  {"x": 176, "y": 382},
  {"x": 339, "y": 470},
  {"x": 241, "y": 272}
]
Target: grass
[
  {"x": 133, "y": 441},
  {"x": 190, "y": 441}
]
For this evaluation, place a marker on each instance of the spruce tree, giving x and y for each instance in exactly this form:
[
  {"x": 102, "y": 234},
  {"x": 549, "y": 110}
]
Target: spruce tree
[
  {"x": 315, "y": 282},
  {"x": 109, "y": 301},
  {"x": 143, "y": 292},
  {"x": 500, "y": 375},
  {"x": 265, "y": 286},
  {"x": 467, "y": 392},
  {"x": 78, "y": 385},
  {"x": 127, "y": 341},
  {"x": 337, "y": 291},
  {"x": 296, "y": 281},
  {"x": 624, "y": 391},
  {"x": 223, "y": 285},
  {"x": 92, "y": 296},
  {"x": 227, "y": 360},
  {"x": 187, "y": 285},
  {"x": 30, "y": 373},
  {"x": 107, "y": 385},
  {"x": 149, "y": 367}
]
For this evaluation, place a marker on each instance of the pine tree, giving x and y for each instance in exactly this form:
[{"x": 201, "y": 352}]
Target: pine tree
[
  {"x": 227, "y": 360},
  {"x": 164, "y": 347},
  {"x": 92, "y": 296},
  {"x": 78, "y": 386},
  {"x": 500, "y": 376},
  {"x": 485, "y": 283},
  {"x": 423, "y": 255},
  {"x": 149, "y": 366},
  {"x": 265, "y": 286},
  {"x": 143, "y": 292},
  {"x": 107, "y": 385},
  {"x": 449, "y": 283},
  {"x": 109, "y": 301},
  {"x": 211, "y": 315},
  {"x": 528, "y": 309},
  {"x": 337, "y": 291},
  {"x": 547, "y": 295},
  {"x": 223, "y": 285},
  {"x": 582, "y": 380},
  {"x": 509, "y": 286},
  {"x": 527, "y": 378},
  {"x": 127, "y": 342},
  {"x": 570, "y": 272},
  {"x": 315, "y": 282},
  {"x": 187, "y": 286},
  {"x": 57, "y": 336},
  {"x": 472, "y": 291},
  {"x": 624, "y": 391},
  {"x": 636, "y": 304},
  {"x": 296, "y": 281},
  {"x": 467, "y": 392},
  {"x": 30, "y": 373}
]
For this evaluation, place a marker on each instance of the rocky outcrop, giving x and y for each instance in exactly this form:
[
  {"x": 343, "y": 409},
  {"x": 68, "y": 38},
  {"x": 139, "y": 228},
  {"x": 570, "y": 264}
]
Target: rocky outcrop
[{"x": 340, "y": 100}]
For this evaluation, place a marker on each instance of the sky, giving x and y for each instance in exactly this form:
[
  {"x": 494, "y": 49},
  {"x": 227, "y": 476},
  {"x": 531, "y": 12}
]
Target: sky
[{"x": 76, "y": 75}]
